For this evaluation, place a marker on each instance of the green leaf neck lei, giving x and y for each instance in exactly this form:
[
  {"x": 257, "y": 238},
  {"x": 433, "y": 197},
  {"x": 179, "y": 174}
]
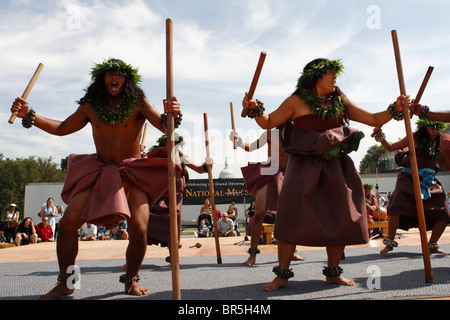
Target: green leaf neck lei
[
  {"x": 432, "y": 151},
  {"x": 315, "y": 103},
  {"x": 121, "y": 114}
]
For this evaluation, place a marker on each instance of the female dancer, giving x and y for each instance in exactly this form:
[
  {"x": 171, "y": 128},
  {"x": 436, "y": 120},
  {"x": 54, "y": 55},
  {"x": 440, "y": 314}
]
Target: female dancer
[
  {"x": 319, "y": 171},
  {"x": 402, "y": 209}
]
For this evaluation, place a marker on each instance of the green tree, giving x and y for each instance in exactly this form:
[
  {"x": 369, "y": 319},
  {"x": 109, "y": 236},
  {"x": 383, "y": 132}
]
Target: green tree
[
  {"x": 372, "y": 156},
  {"x": 16, "y": 174}
]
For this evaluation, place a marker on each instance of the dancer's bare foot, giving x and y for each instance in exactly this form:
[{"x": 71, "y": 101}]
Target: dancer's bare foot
[
  {"x": 276, "y": 284},
  {"x": 339, "y": 280},
  {"x": 386, "y": 250},
  {"x": 250, "y": 261},
  {"x": 57, "y": 292},
  {"x": 296, "y": 257},
  {"x": 437, "y": 251},
  {"x": 136, "y": 289}
]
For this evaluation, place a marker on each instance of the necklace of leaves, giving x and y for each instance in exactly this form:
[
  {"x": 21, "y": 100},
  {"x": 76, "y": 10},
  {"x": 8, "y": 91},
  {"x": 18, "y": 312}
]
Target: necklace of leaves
[
  {"x": 315, "y": 103},
  {"x": 432, "y": 150},
  {"x": 120, "y": 114}
]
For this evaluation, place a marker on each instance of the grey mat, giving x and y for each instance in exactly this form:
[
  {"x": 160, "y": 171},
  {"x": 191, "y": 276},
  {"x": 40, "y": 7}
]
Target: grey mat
[{"x": 399, "y": 275}]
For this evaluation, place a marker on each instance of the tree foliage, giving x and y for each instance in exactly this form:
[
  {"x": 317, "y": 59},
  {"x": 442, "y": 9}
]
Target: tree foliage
[
  {"x": 372, "y": 156},
  {"x": 16, "y": 174}
]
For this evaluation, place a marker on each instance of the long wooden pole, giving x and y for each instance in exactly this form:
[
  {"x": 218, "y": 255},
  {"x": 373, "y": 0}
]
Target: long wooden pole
[
  {"x": 233, "y": 124},
  {"x": 414, "y": 166},
  {"x": 28, "y": 89},
  {"x": 211, "y": 190},
  {"x": 258, "y": 71},
  {"x": 174, "y": 245}
]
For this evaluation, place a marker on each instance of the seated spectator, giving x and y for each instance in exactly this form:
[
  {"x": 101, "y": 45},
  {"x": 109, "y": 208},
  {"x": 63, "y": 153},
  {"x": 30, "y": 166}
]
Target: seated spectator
[
  {"x": 101, "y": 233},
  {"x": 120, "y": 232},
  {"x": 44, "y": 232},
  {"x": 26, "y": 234},
  {"x": 203, "y": 230},
  {"x": 89, "y": 232},
  {"x": 225, "y": 226}
]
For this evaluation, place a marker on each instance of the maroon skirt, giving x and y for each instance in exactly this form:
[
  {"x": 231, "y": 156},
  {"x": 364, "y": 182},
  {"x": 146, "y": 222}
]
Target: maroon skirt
[{"x": 322, "y": 201}]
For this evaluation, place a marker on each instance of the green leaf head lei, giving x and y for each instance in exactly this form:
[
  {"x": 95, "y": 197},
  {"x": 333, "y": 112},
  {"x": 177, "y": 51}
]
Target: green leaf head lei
[
  {"x": 305, "y": 85},
  {"x": 425, "y": 123},
  {"x": 116, "y": 65},
  {"x": 317, "y": 68}
]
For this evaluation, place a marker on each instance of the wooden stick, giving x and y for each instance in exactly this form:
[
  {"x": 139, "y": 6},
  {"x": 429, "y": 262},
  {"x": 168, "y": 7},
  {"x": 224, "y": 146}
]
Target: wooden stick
[
  {"x": 27, "y": 91},
  {"x": 144, "y": 135},
  {"x": 211, "y": 191},
  {"x": 233, "y": 124},
  {"x": 174, "y": 245},
  {"x": 252, "y": 90},
  {"x": 424, "y": 84},
  {"x": 420, "y": 93},
  {"x": 414, "y": 166}
]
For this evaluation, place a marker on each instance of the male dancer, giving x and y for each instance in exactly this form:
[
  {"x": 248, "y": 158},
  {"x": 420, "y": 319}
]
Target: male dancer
[{"x": 115, "y": 183}]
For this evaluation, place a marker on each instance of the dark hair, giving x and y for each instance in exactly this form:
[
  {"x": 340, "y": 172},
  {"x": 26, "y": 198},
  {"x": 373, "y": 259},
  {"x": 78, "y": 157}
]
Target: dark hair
[
  {"x": 423, "y": 138},
  {"x": 97, "y": 91}
]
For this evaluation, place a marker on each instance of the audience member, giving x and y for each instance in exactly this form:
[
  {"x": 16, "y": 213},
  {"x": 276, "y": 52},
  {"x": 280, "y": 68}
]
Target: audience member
[
  {"x": 26, "y": 234},
  {"x": 11, "y": 223},
  {"x": 233, "y": 214},
  {"x": 203, "y": 231},
  {"x": 101, "y": 233},
  {"x": 225, "y": 226},
  {"x": 89, "y": 232},
  {"x": 120, "y": 232},
  {"x": 207, "y": 209},
  {"x": 49, "y": 210},
  {"x": 44, "y": 232}
]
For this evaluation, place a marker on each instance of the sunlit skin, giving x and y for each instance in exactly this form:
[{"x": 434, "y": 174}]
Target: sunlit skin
[
  {"x": 394, "y": 220},
  {"x": 114, "y": 143},
  {"x": 295, "y": 107}
]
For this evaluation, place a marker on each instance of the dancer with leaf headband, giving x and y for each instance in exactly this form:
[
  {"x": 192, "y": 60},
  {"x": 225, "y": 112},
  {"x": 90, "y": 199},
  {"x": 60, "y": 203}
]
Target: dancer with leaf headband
[
  {"x": 322, "y": 199},
  {"x": 402, "y": 209},
  {"x": 116, "y": 183}
]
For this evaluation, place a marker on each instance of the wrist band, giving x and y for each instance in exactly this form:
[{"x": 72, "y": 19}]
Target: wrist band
[
  {"x": 424, "y": 113},
  {"x": 177, "y": 120},
  {"x": 29, "y": 122},
  {"x": 380, "y": 138},
  {"x": 257, "y": 112},
  {"x": 394, "y": 113}
]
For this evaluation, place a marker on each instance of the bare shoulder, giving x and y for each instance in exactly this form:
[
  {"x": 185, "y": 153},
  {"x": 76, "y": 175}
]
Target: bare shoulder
[{"x": 298, "y": 106}]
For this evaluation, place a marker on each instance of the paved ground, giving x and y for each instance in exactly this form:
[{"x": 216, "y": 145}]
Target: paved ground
[{"x": 28, "y": 271}]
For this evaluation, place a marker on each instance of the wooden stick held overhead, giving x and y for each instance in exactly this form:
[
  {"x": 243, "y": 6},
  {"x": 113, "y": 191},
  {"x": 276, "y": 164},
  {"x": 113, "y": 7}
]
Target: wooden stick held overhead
[
  {"x": 258, "y": 71},
  {"x": 424, "y": 84},
  {"x": 233, "y": 124},
  {"x": 211, "y": 190},
  {"x": 174, "y": 253},
  {"x": 414, "y": 166},
  {"x": 27, "y": 91}
]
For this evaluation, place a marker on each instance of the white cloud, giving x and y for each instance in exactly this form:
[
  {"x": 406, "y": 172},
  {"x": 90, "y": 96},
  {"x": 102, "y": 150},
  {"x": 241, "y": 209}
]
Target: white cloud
[{"x": 217, "y": 46}]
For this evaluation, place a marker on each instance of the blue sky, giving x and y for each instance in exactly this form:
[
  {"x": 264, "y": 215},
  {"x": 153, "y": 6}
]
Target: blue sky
[{"x": 216, "y": 48}]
